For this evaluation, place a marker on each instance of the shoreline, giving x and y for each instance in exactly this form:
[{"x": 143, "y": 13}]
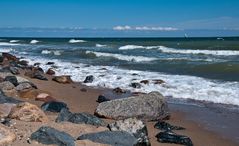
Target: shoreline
[
  {"x": 80, "y": 98},
  {"x": 198, "y": 132}
]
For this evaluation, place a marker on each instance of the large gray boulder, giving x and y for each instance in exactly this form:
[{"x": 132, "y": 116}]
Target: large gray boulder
[
  {"x": 152, "y": 106},
  {"x": 133, "y": 126},
  {"x": 114, "y": 138}
]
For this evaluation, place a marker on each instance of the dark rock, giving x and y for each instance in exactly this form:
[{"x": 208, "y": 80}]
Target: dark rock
[
  {"x": 102, "y": 98},
  {"x": 134, "y": 127},
  {"x": 79, "y": 118},
  {"x": 63, "y": 79},
  {"x": 171, "y": 137},
  {"x": 166, "y": 126},
  {"x": 114, "y": 138},
  {"x": 5, "y": 99},
  {"x": 158, "y": 81},
  {"x": 1, "y": 58},
  {"x": 53, "y": 106},
  {"x": 6, "y": 121},
  {"x": 118, "y": 90},
  {"x": 145, "y": 81},
  {"x": 37, "y": 64},
  {"x": 23, "y": 62},
  {"x": 47, "y": 135},
  {"x": 40, "y": 76},
  {"x": 9, "y": 57},
  {"x": 152, "y": 106},
  {"x": 50, "y": 72},
  {"x": 50, "y": 63},
  {"x": 12, "y": 79},
  {"x": 89, "y": 79},
  {"x": 134, "y": 74},
  {"x": 135, "y": 85},
  {"x": 14, "y": 70},
  {"x": 35, "y": 73}
]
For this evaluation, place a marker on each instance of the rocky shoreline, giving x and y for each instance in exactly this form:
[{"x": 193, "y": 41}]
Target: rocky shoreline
[{"x": 33, "y": 114}]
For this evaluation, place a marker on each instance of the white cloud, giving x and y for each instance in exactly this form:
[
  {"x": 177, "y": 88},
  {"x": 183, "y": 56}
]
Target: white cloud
[{"x": 144, "y": 28}]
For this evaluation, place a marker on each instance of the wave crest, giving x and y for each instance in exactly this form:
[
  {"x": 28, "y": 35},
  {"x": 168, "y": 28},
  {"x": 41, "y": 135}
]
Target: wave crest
[
  {"x": 123, "y": 57},
  {"x": 76, "y": 41}
]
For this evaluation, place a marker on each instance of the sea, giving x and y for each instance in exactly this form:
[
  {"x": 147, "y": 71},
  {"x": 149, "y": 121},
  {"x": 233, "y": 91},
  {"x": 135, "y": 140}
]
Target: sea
[{"x": 199, "y": 69}]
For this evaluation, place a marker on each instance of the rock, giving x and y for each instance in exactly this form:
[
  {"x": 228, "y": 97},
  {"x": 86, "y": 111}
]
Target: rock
[
  {"x": 79, "y": 118},
  {"x": 135, "y": 85},
  {"x": 6, "y": 85},
  {"x": 50, "y": 136},
  {"x": 40, "y": 76},
  {"x": 21, "y": 79},
  {"x": 83, "y": 90},
  {"x": 53, "y": 106},
  {"x": 50, "y": 63},
  {"x": 9, "y": 57},
  {"x": 5, "y": 74},
  {"x": 89, "y": 79},
  {"x": 102, "y": 98},
  {"x": 63, "y": 79},
  {"x": 36, "y": 64},
  {"x": 44, "y": 97},
  {"x": 145, "y": 82},
  {"x": 5, "y": 109},
  {"x": 29, "y": 94},
  {"x": 28, "y": 112},
  {"x": 50, "y": 72},
  {"x": 23, "y": 62},
  {"x": 8, "y": 89},
  {"x": 35, "y": 73},
  {"x": 158, "y": 81},
  {"x": 119, "y": 90},
  {"x": 6, "y": 136},
  {"x": 88, "y": 143},
  {"x": 166, "y": 126},
  {"x": 5, "y": 99},
  {"x": 14, "y": 70},
  {"x": 24, "y": 86},
  {"x": 134, "y": 127},
  {"x": 171, "y": 137},
  {"x": 114, "y": 138},
  {"x": 152, "y": 106},
  {"x": 11, "y": 79}
]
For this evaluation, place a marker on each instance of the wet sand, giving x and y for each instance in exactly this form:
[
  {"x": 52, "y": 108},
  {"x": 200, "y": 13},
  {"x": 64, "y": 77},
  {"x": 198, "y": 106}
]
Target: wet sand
[{"x": 81, "y": 101}]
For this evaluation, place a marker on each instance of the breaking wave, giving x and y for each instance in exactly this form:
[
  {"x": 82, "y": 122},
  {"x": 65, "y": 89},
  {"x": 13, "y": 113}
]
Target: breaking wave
[{"x": 123, "y": 57}]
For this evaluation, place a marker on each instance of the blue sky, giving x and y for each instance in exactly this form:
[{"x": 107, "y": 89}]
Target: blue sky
[{"x": 121, "y": 15}]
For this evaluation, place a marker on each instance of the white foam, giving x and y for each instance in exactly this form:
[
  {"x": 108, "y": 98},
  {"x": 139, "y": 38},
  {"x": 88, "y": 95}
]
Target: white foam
[
  {"x": 99, "y": 45},
  {"x": 8, "y": 44},
  {"x": 76, "y": 41},
  {"x": 182, "y": 51},
  {"x": 177, "y": 86},
  {"x": 206, "y": 52},
  {"x": 34, "y": 41},
  {"x": 6, "y": 50},
  {"x": 131, "y": 47},
  {"x": 123, "y": 57},
  {"x": 57, "y": 53},
  {"x": 14, "y": 41}
]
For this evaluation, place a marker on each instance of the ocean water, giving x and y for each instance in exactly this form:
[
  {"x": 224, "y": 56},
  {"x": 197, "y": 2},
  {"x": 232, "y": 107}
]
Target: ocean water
[{"x": 204, "y": 69}]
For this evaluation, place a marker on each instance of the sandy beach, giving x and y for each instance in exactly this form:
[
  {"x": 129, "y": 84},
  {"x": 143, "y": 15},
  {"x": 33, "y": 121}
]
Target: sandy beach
[{"x": 81, "y": 101}]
